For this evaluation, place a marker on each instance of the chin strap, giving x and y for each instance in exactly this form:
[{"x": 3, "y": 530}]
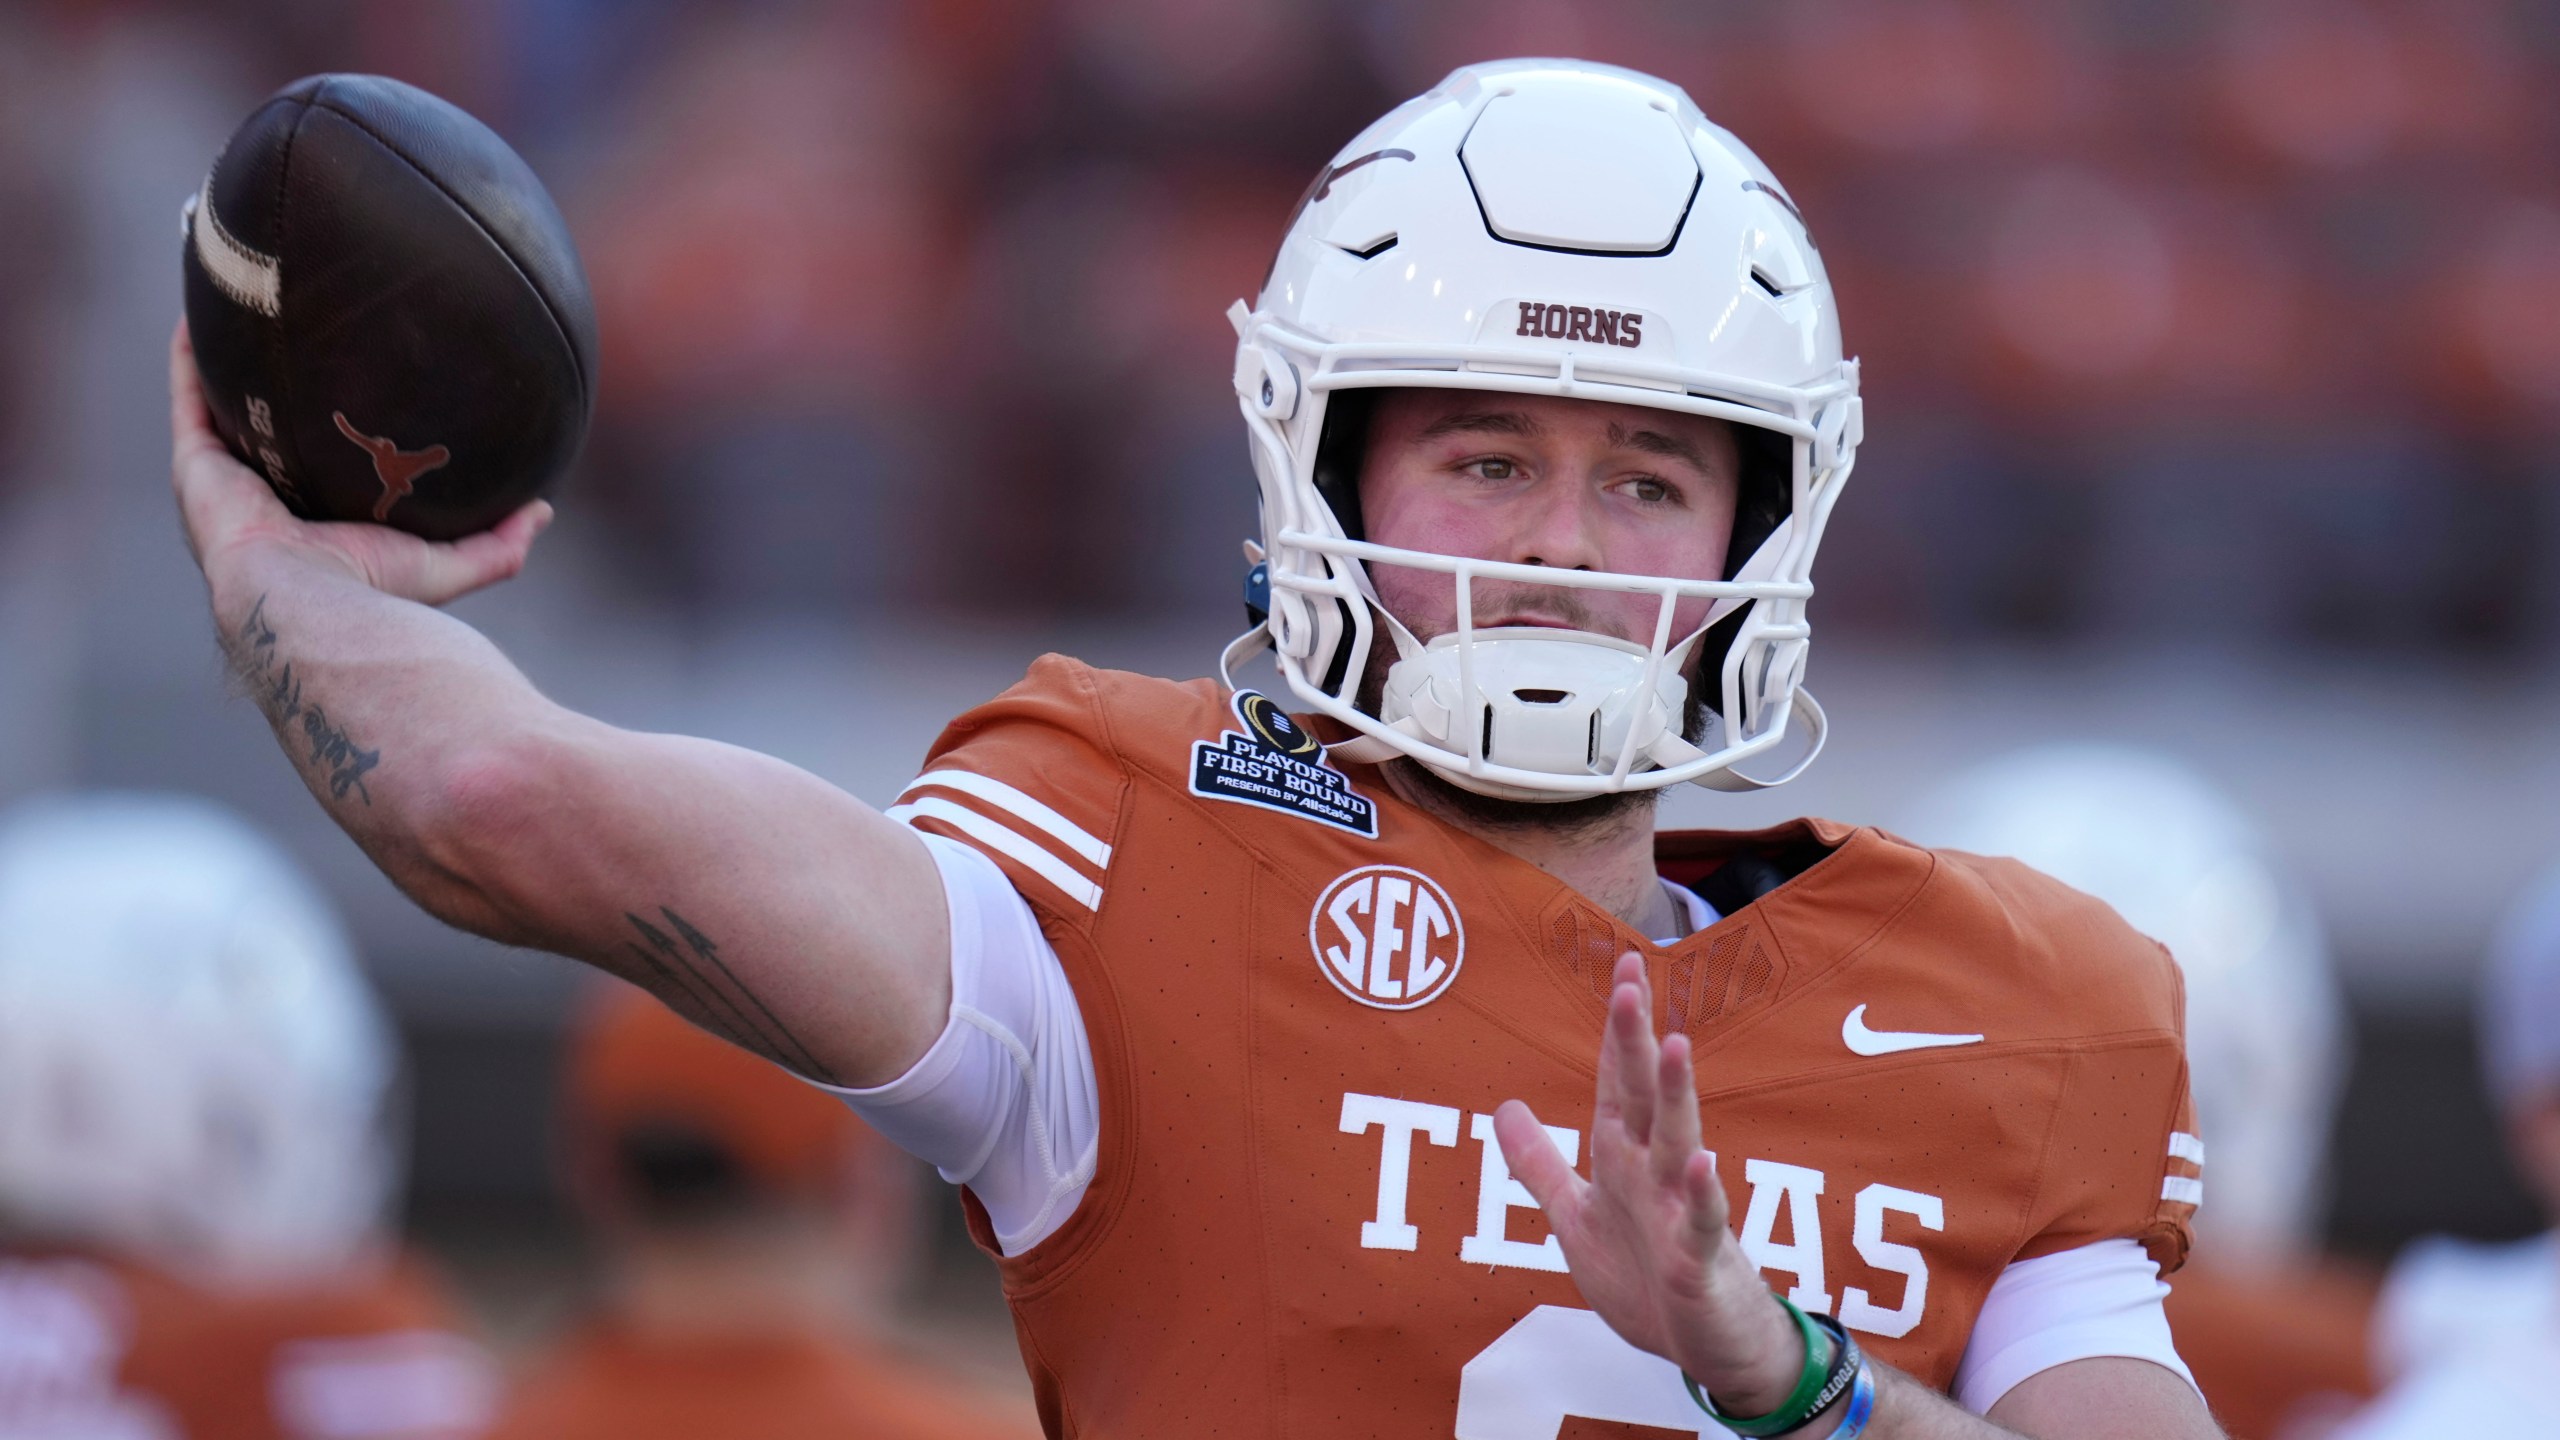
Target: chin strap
[
  {"x": 1762, "y": 565},
  {"x": 1370, "y": 749},
  {"x": 1734, "y": 782},
  {"x": 1242, "y": 648}
]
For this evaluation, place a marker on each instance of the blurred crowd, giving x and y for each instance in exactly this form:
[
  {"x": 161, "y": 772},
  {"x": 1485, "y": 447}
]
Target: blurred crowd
[{"x": 2217, "y": 323}]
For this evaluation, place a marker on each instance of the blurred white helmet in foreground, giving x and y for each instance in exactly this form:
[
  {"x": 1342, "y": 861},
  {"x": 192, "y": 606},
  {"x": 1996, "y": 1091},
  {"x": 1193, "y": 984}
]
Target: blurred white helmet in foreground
[
  {"x": 2266, "y": 1033},
  {"x": 191, "y": 1067}
]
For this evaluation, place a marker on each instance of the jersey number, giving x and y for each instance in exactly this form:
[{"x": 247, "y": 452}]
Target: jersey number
[{"x": 1559, "y": 1363}]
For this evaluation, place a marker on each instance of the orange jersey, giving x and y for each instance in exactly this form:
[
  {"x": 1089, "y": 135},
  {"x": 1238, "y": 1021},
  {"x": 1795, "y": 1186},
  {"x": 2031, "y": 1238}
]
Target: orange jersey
[
  {"x": 604, "y": 1384},
  {"x": 1305, "y": 999},
  {"x": 123, "y": 1352}
]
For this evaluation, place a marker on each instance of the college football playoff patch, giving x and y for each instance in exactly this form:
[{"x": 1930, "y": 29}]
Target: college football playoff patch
[{"x": 1276, "y": 764}]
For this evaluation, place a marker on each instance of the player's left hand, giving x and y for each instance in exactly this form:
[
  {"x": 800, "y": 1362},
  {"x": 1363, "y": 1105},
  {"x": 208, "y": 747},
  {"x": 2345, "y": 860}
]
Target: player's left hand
[{"x": 1647, "y": 1235}]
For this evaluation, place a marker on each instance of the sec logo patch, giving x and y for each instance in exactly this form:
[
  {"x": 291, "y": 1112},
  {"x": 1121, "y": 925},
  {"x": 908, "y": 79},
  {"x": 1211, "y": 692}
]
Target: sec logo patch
[{"x": 1388, "y": 936}]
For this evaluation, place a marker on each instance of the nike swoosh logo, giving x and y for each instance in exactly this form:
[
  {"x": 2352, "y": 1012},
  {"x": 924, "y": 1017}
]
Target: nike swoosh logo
[{"x": 1863, "y": 1041}]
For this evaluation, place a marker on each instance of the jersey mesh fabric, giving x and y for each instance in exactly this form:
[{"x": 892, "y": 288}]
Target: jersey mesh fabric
[{"x": 1297, "y": 1219}]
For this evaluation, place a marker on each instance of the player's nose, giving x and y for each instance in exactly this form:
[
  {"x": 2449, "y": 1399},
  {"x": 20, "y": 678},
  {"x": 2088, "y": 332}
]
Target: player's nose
[{"x": 1558, "y": 526}]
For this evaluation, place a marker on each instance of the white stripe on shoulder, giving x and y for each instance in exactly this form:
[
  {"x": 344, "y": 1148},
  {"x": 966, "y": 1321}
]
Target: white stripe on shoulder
[
  {"x": 2183, "y": 1146},
  {"x": 1006, "y": 841},
  {"x": 2182, "y": 1189},
  {"x": 248, "y": 277},
  {"x": 1023, "y": 807}
]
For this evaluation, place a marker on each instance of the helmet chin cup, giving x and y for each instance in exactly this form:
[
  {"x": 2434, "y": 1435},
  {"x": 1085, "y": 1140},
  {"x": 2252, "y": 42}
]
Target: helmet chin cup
[{"x": 1558, "y": 702}]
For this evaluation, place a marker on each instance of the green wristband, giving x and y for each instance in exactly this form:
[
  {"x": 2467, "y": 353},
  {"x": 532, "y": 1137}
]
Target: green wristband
[{"x": 1799, "y": 1405}]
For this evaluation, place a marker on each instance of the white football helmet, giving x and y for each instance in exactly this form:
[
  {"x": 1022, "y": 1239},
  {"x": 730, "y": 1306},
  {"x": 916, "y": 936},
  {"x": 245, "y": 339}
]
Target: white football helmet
[
  {"x": 191, "y": 1066},
  {"x": 2266, "y": 1025},
  {"x": 1547, "y": 227}
]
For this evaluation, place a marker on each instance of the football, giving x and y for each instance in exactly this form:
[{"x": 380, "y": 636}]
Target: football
[{"x": 388, "y": 313}]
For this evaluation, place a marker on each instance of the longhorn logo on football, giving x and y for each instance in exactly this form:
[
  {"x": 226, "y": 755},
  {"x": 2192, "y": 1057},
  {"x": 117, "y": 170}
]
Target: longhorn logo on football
[
  {"x": 1388, "y": 936},
  {"x": 397, "y": 469}
]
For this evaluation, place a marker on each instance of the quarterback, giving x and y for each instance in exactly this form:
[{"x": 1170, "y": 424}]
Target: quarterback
[{"x": 1356, "y": 1059}]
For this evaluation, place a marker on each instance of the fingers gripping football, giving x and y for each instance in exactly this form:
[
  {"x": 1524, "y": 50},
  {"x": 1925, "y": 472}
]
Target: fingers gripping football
[
  {"x": 226, "y": 506},
  {"x": 218, "y": 497}
]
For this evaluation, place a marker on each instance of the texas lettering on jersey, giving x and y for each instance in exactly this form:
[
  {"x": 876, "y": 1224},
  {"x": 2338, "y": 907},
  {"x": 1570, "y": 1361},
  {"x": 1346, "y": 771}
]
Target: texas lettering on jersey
[{"x": 1916, "y": 1068}]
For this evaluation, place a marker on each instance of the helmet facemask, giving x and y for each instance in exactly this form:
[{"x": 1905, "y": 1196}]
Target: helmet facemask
[{"x": 1539, "y": 713}]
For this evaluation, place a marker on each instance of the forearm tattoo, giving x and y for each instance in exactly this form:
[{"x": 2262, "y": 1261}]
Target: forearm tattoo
[
  {"x": 330, "y": 752},
  {"x": 682, "y": 966}
]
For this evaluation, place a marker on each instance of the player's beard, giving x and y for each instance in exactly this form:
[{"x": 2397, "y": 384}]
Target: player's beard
[{"x": 1590, "y": 814}]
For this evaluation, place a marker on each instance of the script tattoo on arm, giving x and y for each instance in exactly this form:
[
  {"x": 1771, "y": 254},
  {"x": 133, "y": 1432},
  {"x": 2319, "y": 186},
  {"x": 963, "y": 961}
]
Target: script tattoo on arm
[
  {"x": 333, "y": 753},
  {"x": 683, "y": 967}
]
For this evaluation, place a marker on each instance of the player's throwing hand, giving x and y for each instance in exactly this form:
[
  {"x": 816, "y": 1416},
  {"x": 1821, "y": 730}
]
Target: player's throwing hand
[
  {"x": 225, "y": 506},
  {"x": 1647, "y": 1236}
]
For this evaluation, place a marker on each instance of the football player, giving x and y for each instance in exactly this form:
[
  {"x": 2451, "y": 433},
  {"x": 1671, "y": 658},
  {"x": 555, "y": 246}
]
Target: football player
[
  {"x": 1261, "y": 1029},
  {"x": 196, "y": 1148},
  {"x": 2472, "y": 1330},
  {"x": 752, "y": 1232},
  {"x": 2456, "y": 1314}
]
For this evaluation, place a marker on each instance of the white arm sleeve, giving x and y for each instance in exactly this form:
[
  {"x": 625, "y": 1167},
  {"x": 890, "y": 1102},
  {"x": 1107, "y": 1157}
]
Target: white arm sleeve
[
  {"x": 1005, "y": 1101},
  {"x": 2097, "y": 1300}
]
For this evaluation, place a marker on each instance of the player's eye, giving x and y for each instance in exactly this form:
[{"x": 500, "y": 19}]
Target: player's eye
[
  {"x": 1651, "y": 489},
  {"x": 1493, "y": 467}
]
